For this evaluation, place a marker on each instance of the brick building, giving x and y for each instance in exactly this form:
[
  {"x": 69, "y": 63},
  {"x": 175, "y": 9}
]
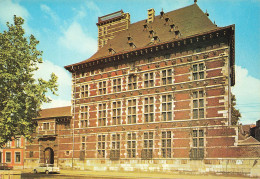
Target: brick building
[
  {"x": 13, "y": 153},
  {"x": 53, "y": 125},
  {"x": 154, "y": 97}
]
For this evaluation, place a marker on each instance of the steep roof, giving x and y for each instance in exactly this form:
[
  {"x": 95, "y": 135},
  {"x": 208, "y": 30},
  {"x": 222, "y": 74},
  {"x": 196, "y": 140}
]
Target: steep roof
[
  {"x": 188, "y": 21},
  {"x": 55, "y": 112}
]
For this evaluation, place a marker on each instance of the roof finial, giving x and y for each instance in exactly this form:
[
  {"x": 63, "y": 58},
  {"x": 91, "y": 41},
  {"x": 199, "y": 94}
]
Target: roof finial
[{"x": 195, "y": 1}]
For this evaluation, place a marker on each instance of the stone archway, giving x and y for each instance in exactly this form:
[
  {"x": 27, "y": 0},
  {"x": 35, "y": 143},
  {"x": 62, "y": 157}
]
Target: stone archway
[{"x": 49, "y": 156}]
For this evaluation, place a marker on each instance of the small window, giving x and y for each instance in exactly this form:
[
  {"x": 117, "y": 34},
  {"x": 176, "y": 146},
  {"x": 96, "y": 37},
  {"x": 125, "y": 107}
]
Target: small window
[
  {"x": 18, "y": 142},
  {"x": 31, "y": 154},
  {"x": 46, "y": 126},
  {"x": 198, "y": 71}
]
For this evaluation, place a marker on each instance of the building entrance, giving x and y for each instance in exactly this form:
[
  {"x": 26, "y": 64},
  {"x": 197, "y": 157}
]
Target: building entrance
[{"x": 49, "y": 156}]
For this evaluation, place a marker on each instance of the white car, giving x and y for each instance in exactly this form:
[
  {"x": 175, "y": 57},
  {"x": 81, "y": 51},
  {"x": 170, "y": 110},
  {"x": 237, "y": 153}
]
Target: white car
[{"x": 46, "y": 168}]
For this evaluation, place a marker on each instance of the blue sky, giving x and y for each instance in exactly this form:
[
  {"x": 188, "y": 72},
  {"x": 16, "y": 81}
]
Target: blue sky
[{"x": 67, "y": 33}]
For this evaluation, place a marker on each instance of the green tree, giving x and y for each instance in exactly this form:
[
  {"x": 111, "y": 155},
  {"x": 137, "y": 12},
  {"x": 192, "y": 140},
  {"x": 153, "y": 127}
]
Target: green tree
[
  {"x": 235, "y": 114},
  {"x": 21, "y": 96}
]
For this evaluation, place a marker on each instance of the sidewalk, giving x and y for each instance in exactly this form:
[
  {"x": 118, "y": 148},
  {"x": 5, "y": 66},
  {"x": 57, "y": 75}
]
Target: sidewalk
[{"x": 141, "y": 175}]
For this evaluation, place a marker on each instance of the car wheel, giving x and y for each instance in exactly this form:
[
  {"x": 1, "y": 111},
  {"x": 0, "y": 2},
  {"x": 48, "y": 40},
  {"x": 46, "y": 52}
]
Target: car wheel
[
  {"x": 47, "y": 172},
  {"x": 35, "y": 171}
]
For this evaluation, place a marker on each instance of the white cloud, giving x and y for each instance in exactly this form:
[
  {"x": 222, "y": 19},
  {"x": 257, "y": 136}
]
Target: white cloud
[
  {"x": 75, "y": 39},
  {"x": 50, "y": 13},
  {"x": 64, "y": 83},
  {"x": 7, "y": 11},
  {"x": 247, "y": 92},
  {"x": 56, "y": 103},
  {"x": 92, "y": 6}
]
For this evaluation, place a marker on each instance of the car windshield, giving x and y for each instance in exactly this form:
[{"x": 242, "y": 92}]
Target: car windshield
[{"x": 42, "y": 165}]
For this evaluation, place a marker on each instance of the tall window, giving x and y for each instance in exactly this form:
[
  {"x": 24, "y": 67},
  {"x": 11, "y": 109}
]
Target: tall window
[
  {"x": 8, "y": 144},
  {"x": 147, "y": 152},
  {"x": 115, "y": 150},
  {"x": 84, "y": 116},
  {"x": 198, "y": 71},
  {"x": 117, "y": 85},
  {"x": 149, "y": 109},
  {"x": 116, "y": 113},
  {"x": 167, "y": 107},
  {"x": 46, "y": 126},
  {"x": 101, "y": 146},
  {"x": 148, "y": 80},
  {"x": 18, "y": 142},
  {"x": 132, "y": 82},
  {"x": 166, "y": 144},
  {"x": 17, "y": 157},
  {"x": 84, "y": 91},
  {"x": 102, "y": 87},
  {"x": 83, "y": 143},
  {"x": 8, "y": 157},
  {"x": 131, "y": 145},
  {"x": 197, "y": 151},
  {"x": 102, "y": 114},
  {"x": 198, "y": 104},
  {"x": 167, "y": 76},
  {"x": 131, "y": 111}
]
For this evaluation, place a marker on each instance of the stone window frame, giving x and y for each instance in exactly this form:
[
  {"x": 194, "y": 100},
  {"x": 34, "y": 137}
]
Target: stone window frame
[
  {"x": 102, "y": 87},
  {"x": 167, "y": 107},
  {"x": 8, "y": 144},
  {"x": 132, "y": 82},
  {"x": 131, "y": 145},
  {"x": 18, "y": 142},
  {"x": 198, "y": 71},
  {"x": 10, "y": 157},
  {"x": 149, "y": 79},
  {"x": 115, "y": 146},
  {"x": 132, "y": 111},
  {"x": 46, "y": 125},
  {"x": 198, "y": 104},
  {"x": 83, "y": 142},
  {"x": 84, "y": 116},
  {"x": 166, "y": 147},
  {"x": 149, "y": 109},
  {"x": 84, "y": 91},
  {"x": 16, "y": 157},
  {"x": 197, "y": 144},
  {"x": 167, "y": 76},
  {"x": 117, "y": 85},
  {"x": 116, "y": 112},
  {"x": 101, "y": 146},
  {"x": 148, "y": 145},
  {"x": 102, "y": 114}
]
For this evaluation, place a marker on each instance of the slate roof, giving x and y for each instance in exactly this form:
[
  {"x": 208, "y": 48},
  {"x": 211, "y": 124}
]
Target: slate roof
[
  {"x": 55, "y": 112},
  {"x": 190, "y": 20}
]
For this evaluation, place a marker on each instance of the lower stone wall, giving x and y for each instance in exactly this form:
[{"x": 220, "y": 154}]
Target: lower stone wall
[{"x": 248, "y": 167}]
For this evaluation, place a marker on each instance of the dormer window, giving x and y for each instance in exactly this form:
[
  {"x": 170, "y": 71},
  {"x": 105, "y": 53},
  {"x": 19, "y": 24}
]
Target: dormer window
[
  {"x": 155, "y": 39},
  {"x": 132, "y": 45},
  {"x": 129, "y": 39},
  {"x": 166, "y": 19},
  {"x": 151, "y": 33},
  {"x": 162, "y": 13},
  {"x": 145, "y": 27},
  {"x": 177, "y": 32},
  {"x": 172, "y": 27},
  {"x": 111, "y": 51}
]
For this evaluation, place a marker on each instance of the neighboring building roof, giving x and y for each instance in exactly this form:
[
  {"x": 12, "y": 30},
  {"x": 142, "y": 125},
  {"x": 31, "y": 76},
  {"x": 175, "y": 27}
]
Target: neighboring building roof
[
  {"x": 245, "y": 129},
  {"x": 188, "y": 21},
  {"x": 55, "y": 112},
  {"x": 241, "y": 137},
  {"x": 249, "y": 141}
]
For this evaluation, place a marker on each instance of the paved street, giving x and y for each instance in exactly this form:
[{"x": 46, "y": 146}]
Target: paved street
[{"x": 72, "y": 174}]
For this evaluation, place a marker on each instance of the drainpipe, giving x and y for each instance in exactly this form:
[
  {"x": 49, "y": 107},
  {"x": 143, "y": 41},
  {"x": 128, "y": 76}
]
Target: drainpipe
[{"x": 73, "y": 117}]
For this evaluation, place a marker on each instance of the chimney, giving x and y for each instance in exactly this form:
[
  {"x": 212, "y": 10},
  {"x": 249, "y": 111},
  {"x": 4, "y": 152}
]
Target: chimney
[{"x": 151, "y": 13}]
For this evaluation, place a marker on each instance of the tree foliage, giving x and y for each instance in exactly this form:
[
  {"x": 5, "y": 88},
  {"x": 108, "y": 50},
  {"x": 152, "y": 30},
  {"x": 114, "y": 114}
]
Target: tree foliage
[
  {"x": 21, "y": 95},
  {"x": 235, "y": 114}
]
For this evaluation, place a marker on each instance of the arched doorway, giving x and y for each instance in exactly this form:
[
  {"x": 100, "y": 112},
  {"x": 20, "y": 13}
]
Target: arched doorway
[{"x": 49, "y": 156}]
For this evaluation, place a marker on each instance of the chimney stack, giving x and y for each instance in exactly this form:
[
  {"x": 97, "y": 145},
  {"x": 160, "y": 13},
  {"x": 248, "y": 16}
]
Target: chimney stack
[{"x": 151, "y": 13}]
